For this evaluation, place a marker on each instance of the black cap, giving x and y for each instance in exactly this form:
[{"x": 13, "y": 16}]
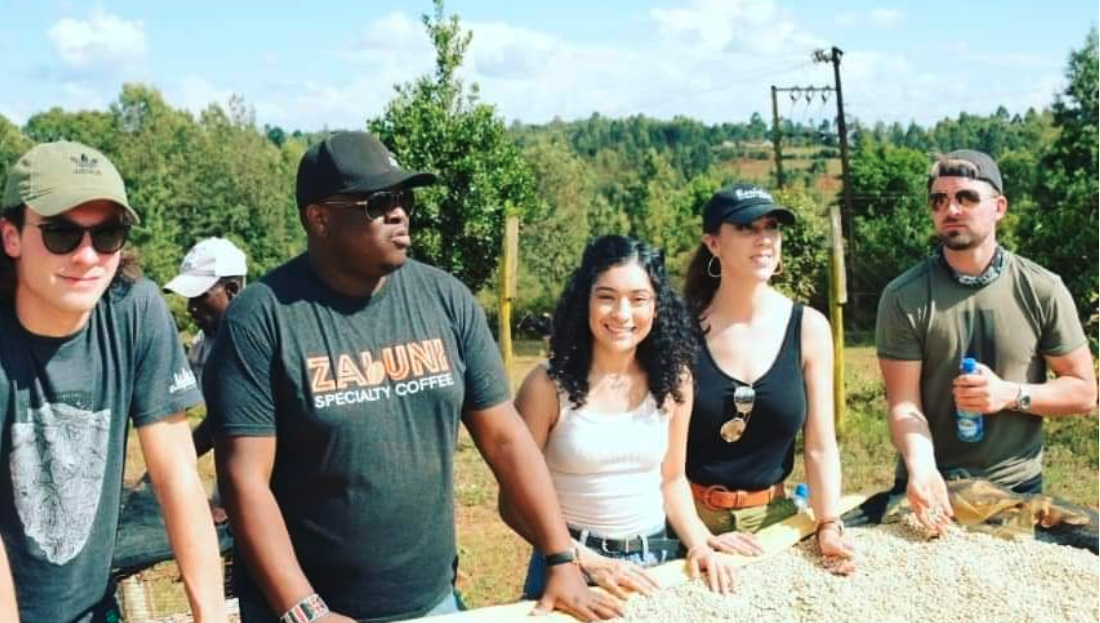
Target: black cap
[
  {"x": 352, "y": 163},
  {"x": 986, "y": 168},
  {"x": 742, "y": 204}
]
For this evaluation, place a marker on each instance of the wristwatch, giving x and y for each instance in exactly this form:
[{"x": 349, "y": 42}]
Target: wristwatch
[
  {"x": 1023, "y": 398},
  {"x": 562, "y": 558}
]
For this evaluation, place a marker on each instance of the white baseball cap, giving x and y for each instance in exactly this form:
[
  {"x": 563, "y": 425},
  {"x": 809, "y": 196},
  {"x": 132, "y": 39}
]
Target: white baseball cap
[{"x": 207, "y": 262}]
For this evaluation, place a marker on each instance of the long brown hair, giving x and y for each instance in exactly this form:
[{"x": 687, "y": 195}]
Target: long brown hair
[
  {"x": 129, "y": 267},
  {"x": 699, "y": 286}
]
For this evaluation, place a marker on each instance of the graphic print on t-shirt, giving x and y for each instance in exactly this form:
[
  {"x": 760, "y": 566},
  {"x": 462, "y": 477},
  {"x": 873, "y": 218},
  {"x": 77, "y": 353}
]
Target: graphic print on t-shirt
[
  {"x": 58, "y": 460},
  {"x": 394, "y": 371}
]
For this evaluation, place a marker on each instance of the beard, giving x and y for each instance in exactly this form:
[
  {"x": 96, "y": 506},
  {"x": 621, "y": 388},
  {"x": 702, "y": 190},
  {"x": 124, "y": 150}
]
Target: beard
[
  {"x": 958, "y": 241},
  {"x": 961, "y": 239}
]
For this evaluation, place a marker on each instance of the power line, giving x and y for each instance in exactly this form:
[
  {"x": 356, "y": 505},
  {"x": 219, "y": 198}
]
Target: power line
[{"x": 725, "y": 83}]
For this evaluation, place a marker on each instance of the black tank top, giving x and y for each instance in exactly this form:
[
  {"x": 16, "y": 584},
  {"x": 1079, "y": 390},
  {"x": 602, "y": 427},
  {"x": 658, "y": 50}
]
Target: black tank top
[{"x": 764, "y": 455}]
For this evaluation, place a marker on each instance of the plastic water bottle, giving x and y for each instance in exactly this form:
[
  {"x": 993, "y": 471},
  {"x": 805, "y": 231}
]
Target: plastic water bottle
[
  {"x": 969, "y": 424},
  {"x": 801, "y": 497}
]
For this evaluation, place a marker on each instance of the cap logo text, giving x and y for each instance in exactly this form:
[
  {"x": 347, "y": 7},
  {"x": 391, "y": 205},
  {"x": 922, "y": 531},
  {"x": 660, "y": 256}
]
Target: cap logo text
[{"x": 751, "y": 193}]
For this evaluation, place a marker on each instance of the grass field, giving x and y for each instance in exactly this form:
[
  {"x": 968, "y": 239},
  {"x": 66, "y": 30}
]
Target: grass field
[{"x": 493, "y": 558}]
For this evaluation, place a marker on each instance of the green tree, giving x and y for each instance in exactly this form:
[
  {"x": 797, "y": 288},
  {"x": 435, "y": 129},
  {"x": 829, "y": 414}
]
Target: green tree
[
  {"x": 891, "y": 227},
  {"x": 805, "y": 264},
  {"x": 552, "y": 241},
  {"x": 93, "y": 128},
  {"x": 649, "y": 201},
  {"x": 435, "y": 124},
  {"x": 12, "y": 145},
  {"x": 1060, "y": 233},
  {"x": 156, "y": 150}
]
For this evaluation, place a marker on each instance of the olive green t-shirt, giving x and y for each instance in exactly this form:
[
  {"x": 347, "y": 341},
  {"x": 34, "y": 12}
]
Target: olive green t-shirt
[{"x": 1009, "y": 325}]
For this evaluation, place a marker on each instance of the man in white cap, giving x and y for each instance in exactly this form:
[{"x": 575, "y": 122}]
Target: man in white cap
[
  {"x": 211, "y": 275},
  {"x": 88, "y": 347}
]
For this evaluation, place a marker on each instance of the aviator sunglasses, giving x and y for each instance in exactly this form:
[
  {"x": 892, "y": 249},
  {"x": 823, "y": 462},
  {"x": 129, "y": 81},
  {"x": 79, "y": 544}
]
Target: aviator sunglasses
[
  {"x": 966, "y": 199},
  {"x": 61, "y": 237},
  {"x": 379, "y": 204}
]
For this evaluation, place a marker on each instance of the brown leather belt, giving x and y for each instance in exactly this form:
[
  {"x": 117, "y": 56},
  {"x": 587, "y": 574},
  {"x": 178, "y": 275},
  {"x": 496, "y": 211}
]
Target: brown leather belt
[{"x": 717, "y": 497}]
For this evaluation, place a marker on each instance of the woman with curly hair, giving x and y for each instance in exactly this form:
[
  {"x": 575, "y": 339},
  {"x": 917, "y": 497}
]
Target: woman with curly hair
[
  {"x": 764, "y": 372},
  {"x": 610, "y": 411}
]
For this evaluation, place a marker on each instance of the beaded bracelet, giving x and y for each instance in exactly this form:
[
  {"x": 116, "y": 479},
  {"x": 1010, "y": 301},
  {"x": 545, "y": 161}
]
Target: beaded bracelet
[{"x": 308, "y": 610}]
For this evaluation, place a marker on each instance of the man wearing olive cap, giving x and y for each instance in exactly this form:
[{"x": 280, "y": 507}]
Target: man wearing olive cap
[{"x": 88, "y": 348}]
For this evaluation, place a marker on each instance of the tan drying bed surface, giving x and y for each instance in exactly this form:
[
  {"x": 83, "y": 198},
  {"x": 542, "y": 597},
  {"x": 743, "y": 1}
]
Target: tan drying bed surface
[{"x": 774, "y": 539}]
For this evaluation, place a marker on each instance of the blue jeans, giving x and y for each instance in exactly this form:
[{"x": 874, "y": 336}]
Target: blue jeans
[{"x": 535, "y": 583}]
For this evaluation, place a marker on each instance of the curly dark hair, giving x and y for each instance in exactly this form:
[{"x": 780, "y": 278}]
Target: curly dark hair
[{"x": 665, "y": 355}]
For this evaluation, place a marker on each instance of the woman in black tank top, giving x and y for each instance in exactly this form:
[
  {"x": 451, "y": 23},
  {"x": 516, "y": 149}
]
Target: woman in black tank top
[{"x": 764, "y": 373}]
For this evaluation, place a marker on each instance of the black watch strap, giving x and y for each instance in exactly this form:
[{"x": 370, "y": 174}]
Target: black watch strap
[{"x": 561, "y": 558}]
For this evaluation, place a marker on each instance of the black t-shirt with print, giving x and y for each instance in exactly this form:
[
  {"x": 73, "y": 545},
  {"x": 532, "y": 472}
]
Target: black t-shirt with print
[
  {"x": 64, "y": 408},
  {"x": 364, "y": 396}
]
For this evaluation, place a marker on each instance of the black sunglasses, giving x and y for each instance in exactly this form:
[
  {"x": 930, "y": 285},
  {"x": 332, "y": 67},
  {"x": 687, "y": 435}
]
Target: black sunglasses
[
  {"x": 379, "y": 204},
  {"x": 967, "y": 199},
  {"x": 61, "y": 237}
]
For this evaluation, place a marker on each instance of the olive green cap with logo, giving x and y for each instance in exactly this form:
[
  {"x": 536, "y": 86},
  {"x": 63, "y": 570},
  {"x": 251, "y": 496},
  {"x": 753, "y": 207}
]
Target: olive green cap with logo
[{"x": 53, "y": 178}]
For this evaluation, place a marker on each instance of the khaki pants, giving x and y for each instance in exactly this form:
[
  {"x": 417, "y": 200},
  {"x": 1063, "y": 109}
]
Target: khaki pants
[{"x": 751, "y": 519}]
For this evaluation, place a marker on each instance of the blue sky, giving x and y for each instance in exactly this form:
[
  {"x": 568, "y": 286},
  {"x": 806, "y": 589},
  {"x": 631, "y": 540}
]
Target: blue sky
[{"x": 334, "y": 64}]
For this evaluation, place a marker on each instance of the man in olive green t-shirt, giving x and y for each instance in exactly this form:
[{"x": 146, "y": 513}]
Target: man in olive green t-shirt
[{"x": 972, "y": 298}]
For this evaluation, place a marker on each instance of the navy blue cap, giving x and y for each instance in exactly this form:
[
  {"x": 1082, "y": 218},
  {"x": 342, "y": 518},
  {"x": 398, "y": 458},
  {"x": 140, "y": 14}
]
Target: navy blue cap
[{"x": 742, "y": 204}]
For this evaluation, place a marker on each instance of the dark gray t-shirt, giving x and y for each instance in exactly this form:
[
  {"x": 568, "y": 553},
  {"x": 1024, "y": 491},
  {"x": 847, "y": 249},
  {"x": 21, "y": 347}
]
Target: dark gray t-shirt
[
  {"x": 365, "y": 398},
  {"x": 64, "y": 408}
]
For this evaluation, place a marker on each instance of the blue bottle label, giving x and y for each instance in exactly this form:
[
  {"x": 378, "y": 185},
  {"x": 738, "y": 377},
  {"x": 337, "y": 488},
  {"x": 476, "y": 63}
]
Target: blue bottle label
[{"x": 969, "y": 426}]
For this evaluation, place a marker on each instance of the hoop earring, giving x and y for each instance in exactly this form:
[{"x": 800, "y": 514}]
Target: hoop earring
[
  {"x": 778, "y": 268},
  {"x": 710, "y": 268}
]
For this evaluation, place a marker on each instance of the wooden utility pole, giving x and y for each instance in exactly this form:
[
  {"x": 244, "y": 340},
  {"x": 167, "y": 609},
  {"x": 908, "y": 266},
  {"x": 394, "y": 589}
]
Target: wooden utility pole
[
  {"x": 777, "y": 134},
  {"x": 776, "y": 141},
  {"x": 508, "y": 261},
  {"x": 838, "y": 287}
]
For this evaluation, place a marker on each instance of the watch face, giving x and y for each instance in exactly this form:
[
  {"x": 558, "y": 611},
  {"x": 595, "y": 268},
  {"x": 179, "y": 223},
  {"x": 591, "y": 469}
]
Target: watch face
[{"x": 1023, "y": 401}]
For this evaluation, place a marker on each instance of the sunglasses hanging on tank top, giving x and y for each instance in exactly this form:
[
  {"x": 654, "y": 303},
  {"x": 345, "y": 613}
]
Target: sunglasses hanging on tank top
[{"x": 743, "y": 399}]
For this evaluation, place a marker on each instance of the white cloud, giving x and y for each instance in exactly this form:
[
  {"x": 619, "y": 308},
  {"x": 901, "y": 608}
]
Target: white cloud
[
  {"x": 393, "y": 41},
  {"x": 885, "y": 18},
  {"x": 878, "y": 18},
  {"x": 102, "y": 41},
  {"x": 196, "y": 94},
  {"x": 750, "y": 26},
  {"x": 710, "y": 60},
  {"x": 846, "y": 19},
  {"x": 503, "y": 51}
]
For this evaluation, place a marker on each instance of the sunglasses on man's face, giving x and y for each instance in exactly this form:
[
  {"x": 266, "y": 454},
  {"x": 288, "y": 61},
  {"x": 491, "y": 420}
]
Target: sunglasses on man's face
[
  {"x": 966, "y": 199},
  {"x": 61, "y": 237},
  {"x": 379, "y": 204}
]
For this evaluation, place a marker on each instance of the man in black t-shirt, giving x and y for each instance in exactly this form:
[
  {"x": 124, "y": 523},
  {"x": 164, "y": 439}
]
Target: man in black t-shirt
[
  {"x": 336, "y": 387},
  {"x": 86, "y": 347}
]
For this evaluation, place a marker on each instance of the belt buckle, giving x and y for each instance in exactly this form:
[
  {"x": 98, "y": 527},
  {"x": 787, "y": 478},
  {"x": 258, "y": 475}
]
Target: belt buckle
[
  {"x": 708, "y": 492},
  {"x": 604, "y": 548}
]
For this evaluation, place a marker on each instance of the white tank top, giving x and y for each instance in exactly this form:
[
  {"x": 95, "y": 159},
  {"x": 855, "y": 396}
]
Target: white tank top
[{"x": 606, "y": 468}]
